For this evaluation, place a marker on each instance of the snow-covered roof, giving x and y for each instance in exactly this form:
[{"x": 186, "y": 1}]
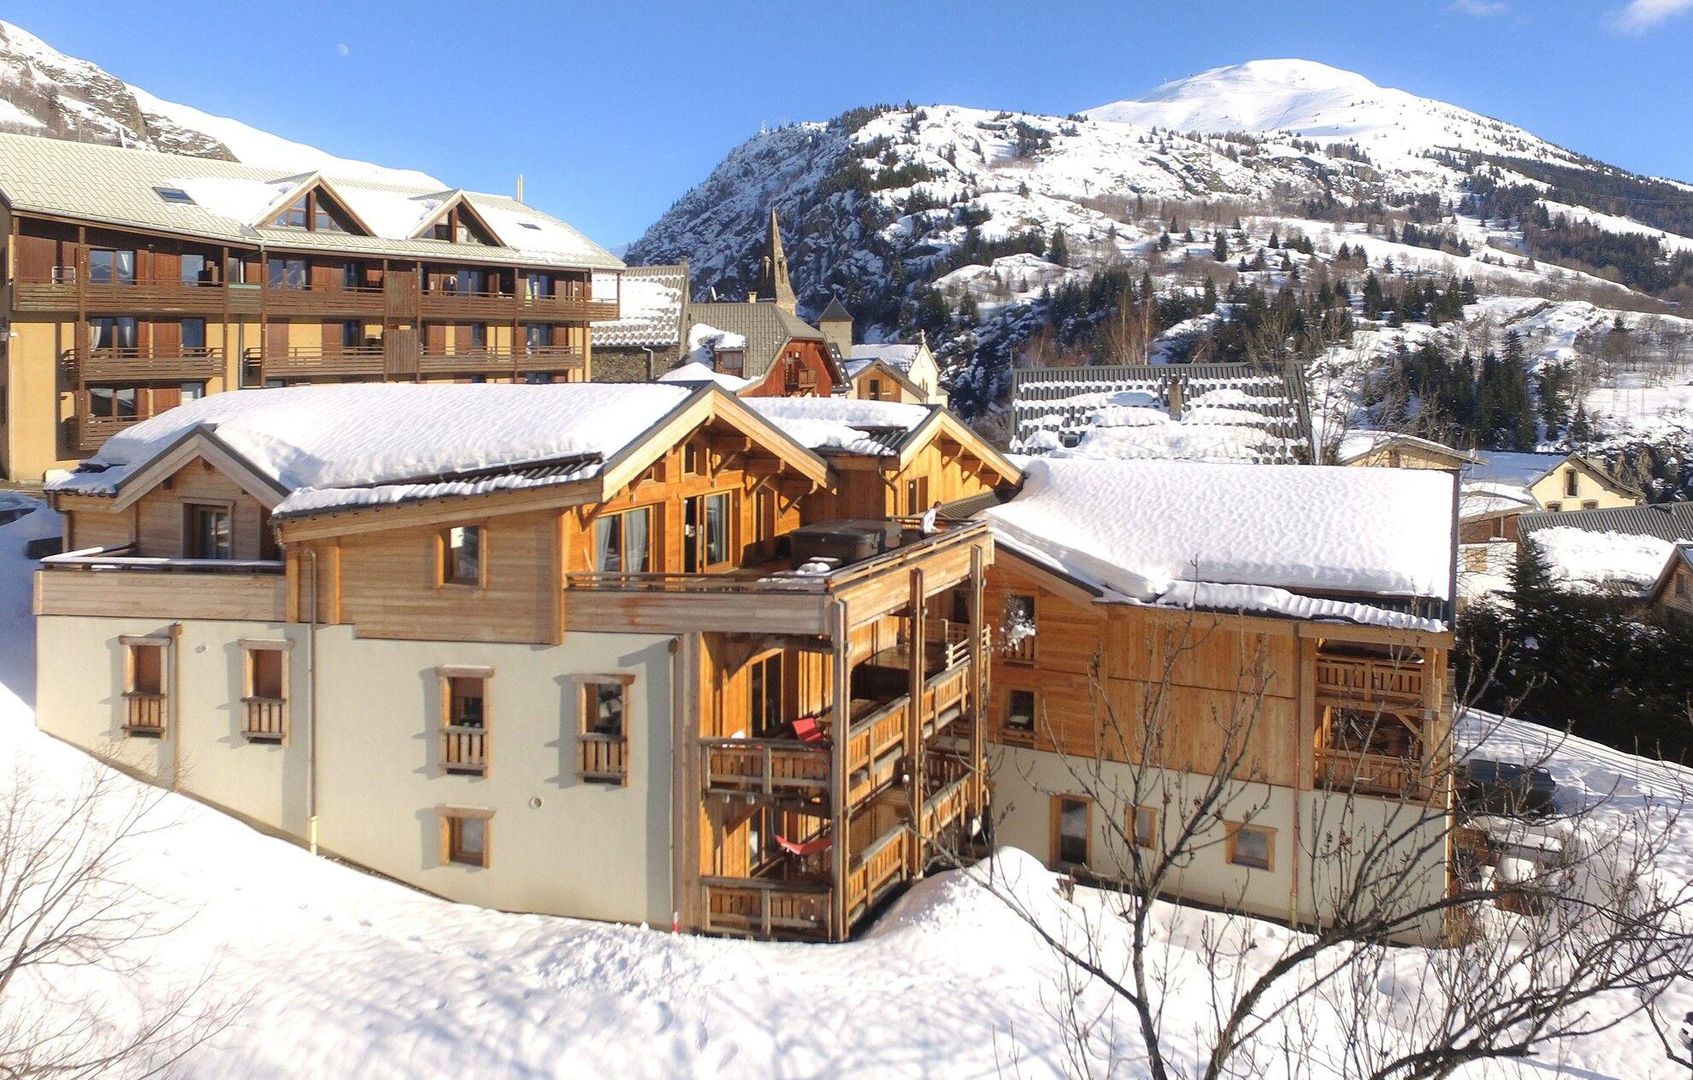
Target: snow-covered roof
[
  {"x": 843, "y": 425},
  {"x": 650, "y": 315},
  {"x": 228, "y": 201},
  {"x": 1595, "y": 562},
  {"x": 766, "y": 326},
  {"x": 1518, "y": 469},
  {"x": 1137, "y": 528},
  {"x": 1666, "y": 521},
  {"x": 371, "y": 443},
  {"x": 1356, "y": 444},
  {"x": 696, "y": 372},
  {"x": 1229, "y": 412},
  {"x": 898, "y": 357},
  {"x": 1479, "y": 500}
]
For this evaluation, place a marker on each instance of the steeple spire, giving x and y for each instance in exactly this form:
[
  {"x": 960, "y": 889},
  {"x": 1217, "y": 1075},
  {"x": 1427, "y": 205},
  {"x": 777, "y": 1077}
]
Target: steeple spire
[{"x": 773, "y": 283}]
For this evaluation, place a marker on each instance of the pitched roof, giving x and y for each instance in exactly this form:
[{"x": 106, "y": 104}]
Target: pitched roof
[
  {"x": 1294, "y": 540},
  {"x": 1666, "y": 521},
  {"x": 767, "y": 327},
  {"x": 1357, "y": 444},
  {"x": 897, "y": 356},
  {"x": 653, "y": 301},
  {"x": 1230, "y": 412},
  {"x": 1683, "y": 554},
  {"x": 1525, "y": 470},
  {"x": 227, "y": 201},
  {"x": 835, "y": 312},
  {"x": 843, "y": 425}
]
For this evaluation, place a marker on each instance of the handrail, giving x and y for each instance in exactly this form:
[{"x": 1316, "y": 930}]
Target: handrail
[{"x": 98, "y": 559}]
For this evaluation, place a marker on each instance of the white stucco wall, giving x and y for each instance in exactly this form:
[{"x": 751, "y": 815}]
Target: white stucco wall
[
  {"x": 1305, "y": 877},
  {"x": 557, "y": 844}
]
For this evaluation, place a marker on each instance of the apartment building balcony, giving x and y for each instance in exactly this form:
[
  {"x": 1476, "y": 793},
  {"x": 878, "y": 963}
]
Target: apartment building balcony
[
  {"x": 1373, "y": 774},
  {"x": 304, "y": 300},
  {"x": 66, "y": 293},
  {"x": 159, "y": 364},
  {"x": 490, "y": 305},
  {"x": 500, "y": 361},
  {"x": 1376, "y": 725},
  {"x": 101, "y": 581},
  {"x": 1370, "y": 680},
  {"x": 302, "y": 362}
]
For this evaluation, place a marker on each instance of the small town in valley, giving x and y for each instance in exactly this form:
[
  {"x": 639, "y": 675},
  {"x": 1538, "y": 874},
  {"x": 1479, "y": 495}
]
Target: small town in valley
[{"x": 1195, "y": 586}]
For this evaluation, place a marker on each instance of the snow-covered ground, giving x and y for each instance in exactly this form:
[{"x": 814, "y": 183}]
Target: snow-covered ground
[{"x": 330, "y": 972}]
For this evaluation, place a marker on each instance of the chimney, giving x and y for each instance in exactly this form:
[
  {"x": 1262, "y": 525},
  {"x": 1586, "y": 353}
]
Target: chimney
[
  {"x": 1174, "y": 396},
  {"x": 519, "y": 187}
]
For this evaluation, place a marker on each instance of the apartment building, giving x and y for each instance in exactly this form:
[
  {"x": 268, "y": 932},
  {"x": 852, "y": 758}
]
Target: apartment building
[
  {"x": 135, "y": 281},
  {"x": 636, "y": 652}
]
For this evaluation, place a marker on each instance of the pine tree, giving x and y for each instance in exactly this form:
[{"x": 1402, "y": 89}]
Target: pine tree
[
  {"x": 1209, "y": 299},
  {"x": 1220, "y": 250},
  {"x": 1059, "y": 250},
  {"x": 1274, "y": 241}
]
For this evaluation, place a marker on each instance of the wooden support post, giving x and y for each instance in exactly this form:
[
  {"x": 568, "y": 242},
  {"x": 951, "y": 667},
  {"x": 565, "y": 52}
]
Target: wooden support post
[
  {"x": 977, "y": 684},
  {"x": 839, "y": 779},
  {"x": 915, "y": 716}
]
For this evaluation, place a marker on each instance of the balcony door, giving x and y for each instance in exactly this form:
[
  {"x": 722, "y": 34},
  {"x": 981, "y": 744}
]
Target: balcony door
[{"x": 705, "y": 533}]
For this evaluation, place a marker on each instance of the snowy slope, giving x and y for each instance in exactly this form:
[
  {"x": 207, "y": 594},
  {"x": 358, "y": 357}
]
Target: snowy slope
[
  {"x": 336, "y": 973},
  {"x": 45, "y": 92}
]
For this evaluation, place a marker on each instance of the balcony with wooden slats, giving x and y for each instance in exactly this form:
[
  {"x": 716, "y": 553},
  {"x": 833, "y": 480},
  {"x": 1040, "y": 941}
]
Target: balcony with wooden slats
[
  {"x": 264, "y": 719},
  {"x": 145, "y": 364},
  {"x": 464, "y": 749},
  {"x": 300, "y": 362},
  {"x": 66, "y": 293},
  {"x": 1363, "y": 679},
  {"x": 497, "y": 361},
  {"x": 299, "y": 300},
  {"x": 604, "y": 758},
  {"x": 144, "y": 714}
]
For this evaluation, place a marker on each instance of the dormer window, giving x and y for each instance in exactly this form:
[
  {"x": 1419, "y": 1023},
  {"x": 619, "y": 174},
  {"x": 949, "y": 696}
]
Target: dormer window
[
  {"x": 315, "y": 212},
  {"x": 294, "y": 217}
]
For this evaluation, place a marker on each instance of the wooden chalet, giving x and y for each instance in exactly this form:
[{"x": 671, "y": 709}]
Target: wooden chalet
[{"x": 629, "y": 652}]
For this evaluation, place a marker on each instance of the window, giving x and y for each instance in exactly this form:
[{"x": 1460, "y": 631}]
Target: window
[
  {"x": 1680, "y": 584},
  {"x": 192, "y": 391},
  {"x": 1590, "y": 504},
  {"x": 266, "y": 697},
  {"x": 207, "y": 532},
  {"x": 1252, "y": 846},
  {"x": 1071, "y": 826},
  {"x": 537, "y": 378},
  {"x": 468, "y": 281},
  {"x": 1571, "y": 482},
  {"x": 716, "y": 542},
  {"x": 1020, "y": 712},
  {"x": 875, "y": 389},
  {"x": 144, "y": 686},
  {"x": 1554, "y": 507},
  {"x": 352, "y": 333},
  {"x": 764, "y": 697},
  {"x": 196, "y": 270},
  {"x": 193, "y": 336},
  {"x": 764, "y": 515},
  {"x": 478, "y": 335},
  {"x": 1144, "y": 827},
  {"x": 286, "y": 273},
  {"x": 622, "y": 542},
  {"x": 1475, "y": 559},
  {"x": 538, "y": 286},
  {"x": 461, "y": 555},
  {"x": 917, "y": 495},
  {"x": 535, "y": 336},
  {"x": 691, "y": 459},
  {"x": 324, "y": 217},
  {"x": 174, "y": 195},
  {"x": 604, "y": 738},
  {"x": 1017, "y": 630},
  {"x": 294, "y": 217},
  {"x": 464, "y": 728},
  {"x": 112, "y": 402},
  {"x": 107, "y": 266},
  {"x": 112, "y": 332},
  {"x": 464, "y": 836},
  {"x": 351, "y": 276}
]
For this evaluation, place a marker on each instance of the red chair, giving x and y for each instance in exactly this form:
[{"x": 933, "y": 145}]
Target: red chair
[
  {"x": 807, "y": 730},
  {"x": 815, "y": 846}
]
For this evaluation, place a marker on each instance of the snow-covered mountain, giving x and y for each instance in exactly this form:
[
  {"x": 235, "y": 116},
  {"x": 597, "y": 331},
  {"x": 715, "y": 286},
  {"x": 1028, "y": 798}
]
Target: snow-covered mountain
[
  {"x": 949, "y": 219},
  {"x": 45, "y": 92}
]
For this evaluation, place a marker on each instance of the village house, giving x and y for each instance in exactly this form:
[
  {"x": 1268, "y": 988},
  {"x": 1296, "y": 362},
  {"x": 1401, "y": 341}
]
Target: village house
[
  {"x": 136, "y": 280},
  {"x": 1500, "y": 486},
  {"x": 891, "y": 371},
  {"x": 1393, "y": 450},
  {"x": 628, "y": 652},
  {"x": 645, "y": 340},
  {"x": 1295, "y": 619}
]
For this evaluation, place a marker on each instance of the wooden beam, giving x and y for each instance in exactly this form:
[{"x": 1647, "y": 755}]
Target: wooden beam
[
  {"x": 838, "y": 775},
  {"x": 915, "y": 717}
]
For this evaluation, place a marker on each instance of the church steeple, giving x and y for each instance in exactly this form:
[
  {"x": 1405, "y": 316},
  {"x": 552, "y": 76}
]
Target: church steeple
[{"x": 773, "y": 283}]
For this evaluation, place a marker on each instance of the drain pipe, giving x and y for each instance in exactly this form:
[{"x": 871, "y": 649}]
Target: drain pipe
[{"x": 311, "y": 709}]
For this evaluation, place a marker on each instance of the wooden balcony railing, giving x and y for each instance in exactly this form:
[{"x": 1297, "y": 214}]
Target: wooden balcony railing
[
  {"x": 1369, "y": 680},
  {"x": 529, "y": 358},
  {"x": 65, "y": 293},
  {"x": 877, "y": 735},
  {"x": 96, "y": 581},
  {"x": 766, "y": 907},
  {"x": 264, "y": 719},
  {"x": 464, "y": 749},
  {"x": 945, "y": 693},
  {"x": 299, "y": 361},
  {"x": 145, "y": 714},
  {"x": 1371, "y": 774},
  {"x": 569, "y": 308},
  {"x": 332, "y": 300},
  {"x": 605, "y": 758},
  {"x": 877, "y": 869},
  {"x": 89, "y": 433},
  {"x": 144, "y": 364},
  {"x": 765, "y": 767}
]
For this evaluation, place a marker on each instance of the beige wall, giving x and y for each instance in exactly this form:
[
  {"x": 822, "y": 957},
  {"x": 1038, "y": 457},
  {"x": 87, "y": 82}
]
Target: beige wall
[
  {"x": 557, "y": 845},
  {"x": 1550, "y": 490},
  {"x": 1297, "y": 887}
]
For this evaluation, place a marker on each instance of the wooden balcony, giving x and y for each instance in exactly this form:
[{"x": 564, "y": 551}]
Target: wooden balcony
[
  {"x": 264, "y": 719},
  {"x": 568, "y": 309},
  {"x": 464, "y": 749},
  {"x": 451, "y": 304},
  {"x": 145, "y": 365},
  {"x": 1366, "y": 680},
  {"x": 304, "y": 362},
  {"x": 766, "y": 907},
  {"x": 605, "y": 758},
  {"x": 111, "y": 583},
  {"x": 874, "y": 745},
  {"x": 67, "y": 294},
  {"x": 877, "y": 869},
  {"x": 89, "y": 433},
  {"x": 498, "y": 361},
  {"x": 1371, "y": 774},
  {"x": 335, "y": 300},
  {"x": 144, "y": 714},
  {"x": 769, "y": 767}
]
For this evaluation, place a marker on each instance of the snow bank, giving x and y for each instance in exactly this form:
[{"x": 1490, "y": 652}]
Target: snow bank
[{"x": 1138, "y": 527}]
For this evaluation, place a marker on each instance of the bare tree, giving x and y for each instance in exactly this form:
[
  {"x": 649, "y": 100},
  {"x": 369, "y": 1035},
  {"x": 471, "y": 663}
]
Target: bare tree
[
  {"x": 1518, "y": 934},
  {"x": 75, "y": 916}
]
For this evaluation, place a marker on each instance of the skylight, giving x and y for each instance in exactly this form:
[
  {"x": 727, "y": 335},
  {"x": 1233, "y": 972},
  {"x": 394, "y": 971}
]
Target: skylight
[
  {"x": 174, "y": 195},
  {"x": 530, "y": 225}
]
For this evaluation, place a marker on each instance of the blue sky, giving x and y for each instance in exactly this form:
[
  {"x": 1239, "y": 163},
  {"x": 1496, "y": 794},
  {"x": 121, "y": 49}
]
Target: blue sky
[{"x": 613, "y": 110}]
